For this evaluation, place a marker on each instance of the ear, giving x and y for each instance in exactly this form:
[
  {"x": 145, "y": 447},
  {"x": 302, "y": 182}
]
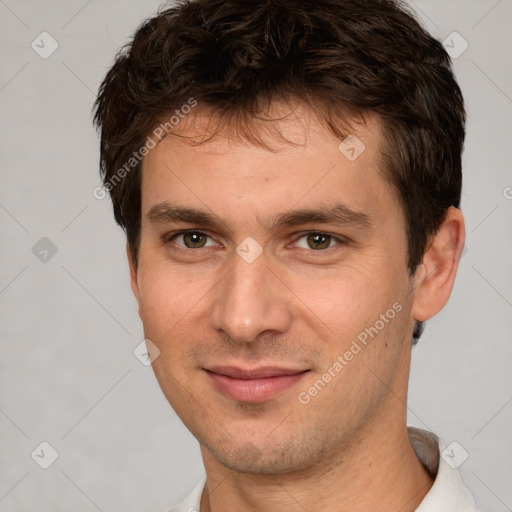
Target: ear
[
  {"x": 434, "y": 278},
  {"x": 133, "y": 273}
]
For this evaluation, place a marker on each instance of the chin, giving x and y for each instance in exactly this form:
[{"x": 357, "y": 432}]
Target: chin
[{"x": 269, "y": 459}]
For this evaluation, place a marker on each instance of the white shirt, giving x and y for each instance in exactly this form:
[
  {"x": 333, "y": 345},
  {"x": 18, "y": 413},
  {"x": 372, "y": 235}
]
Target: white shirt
[{"x": 447, "y": 494}]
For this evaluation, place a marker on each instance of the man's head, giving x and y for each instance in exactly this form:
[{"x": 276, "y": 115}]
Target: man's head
[{"x": 312, "y": 153}]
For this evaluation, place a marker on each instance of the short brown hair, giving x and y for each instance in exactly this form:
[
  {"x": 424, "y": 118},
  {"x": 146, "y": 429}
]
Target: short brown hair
[{"x": 339, "y": 56}]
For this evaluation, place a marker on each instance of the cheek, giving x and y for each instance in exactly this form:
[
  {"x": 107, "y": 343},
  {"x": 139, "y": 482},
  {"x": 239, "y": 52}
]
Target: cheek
[
  {"x": 163, "y": 287},
  {"x": 168, "y": 304},
  {"x": 345, "y": 302},
  {"x": 169, "y": 311}
]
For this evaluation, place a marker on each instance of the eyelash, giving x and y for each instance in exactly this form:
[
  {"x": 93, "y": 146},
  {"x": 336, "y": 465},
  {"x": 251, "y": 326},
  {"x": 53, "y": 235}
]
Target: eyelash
[{"x": 172, "y": 236}]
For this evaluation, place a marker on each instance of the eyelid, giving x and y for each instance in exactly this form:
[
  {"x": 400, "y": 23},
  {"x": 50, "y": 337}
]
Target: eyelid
[
  {"x": 169, "y": 237},
  {"x": 338, "y": 238}
]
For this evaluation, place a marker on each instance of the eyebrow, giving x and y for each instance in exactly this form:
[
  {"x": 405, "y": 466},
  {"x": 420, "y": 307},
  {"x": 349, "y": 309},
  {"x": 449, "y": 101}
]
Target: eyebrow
[
  {"x": 164, "y": 213},
  {"x": 340, "y": 214}
]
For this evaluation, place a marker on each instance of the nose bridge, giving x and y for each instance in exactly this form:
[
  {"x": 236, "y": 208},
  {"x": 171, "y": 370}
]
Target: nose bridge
[{"x": 250, "y": 301}]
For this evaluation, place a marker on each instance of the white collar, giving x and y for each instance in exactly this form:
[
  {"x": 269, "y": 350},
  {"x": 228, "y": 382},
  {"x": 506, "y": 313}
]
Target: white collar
[{"x": 447, "y": 494}]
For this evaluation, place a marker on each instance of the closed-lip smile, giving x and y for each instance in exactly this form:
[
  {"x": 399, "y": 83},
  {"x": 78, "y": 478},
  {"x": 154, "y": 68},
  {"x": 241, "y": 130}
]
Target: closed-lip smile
[{"x": 253, "y": 385}]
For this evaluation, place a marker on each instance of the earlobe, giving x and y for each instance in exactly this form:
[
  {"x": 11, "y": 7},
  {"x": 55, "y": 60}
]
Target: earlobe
[{"x": 435, "y": 276}]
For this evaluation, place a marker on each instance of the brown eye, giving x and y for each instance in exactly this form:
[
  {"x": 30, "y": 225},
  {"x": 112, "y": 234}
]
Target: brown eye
[
  {"x": 191, "y": 240},
  {"x": 318, "y": 241},
  {"x": 194, "y": 240}
]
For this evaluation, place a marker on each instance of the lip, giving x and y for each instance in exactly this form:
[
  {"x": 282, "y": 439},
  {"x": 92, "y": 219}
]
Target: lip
[{"x": 253, "y": 385}]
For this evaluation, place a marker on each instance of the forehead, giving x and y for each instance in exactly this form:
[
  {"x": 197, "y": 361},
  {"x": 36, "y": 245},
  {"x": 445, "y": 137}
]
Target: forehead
[{"x": 209, "y": 164}]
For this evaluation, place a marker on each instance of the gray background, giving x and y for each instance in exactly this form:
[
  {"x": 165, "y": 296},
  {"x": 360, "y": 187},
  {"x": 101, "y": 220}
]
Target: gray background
[{"x": 69, "y": 324}]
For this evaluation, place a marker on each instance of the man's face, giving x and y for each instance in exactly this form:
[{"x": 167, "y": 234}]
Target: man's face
[{"x": 249, "y": 328}]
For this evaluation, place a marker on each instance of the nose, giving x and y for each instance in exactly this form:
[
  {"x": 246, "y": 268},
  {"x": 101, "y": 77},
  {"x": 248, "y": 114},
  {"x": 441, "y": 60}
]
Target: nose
[{"x": 251, "y": 300}]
